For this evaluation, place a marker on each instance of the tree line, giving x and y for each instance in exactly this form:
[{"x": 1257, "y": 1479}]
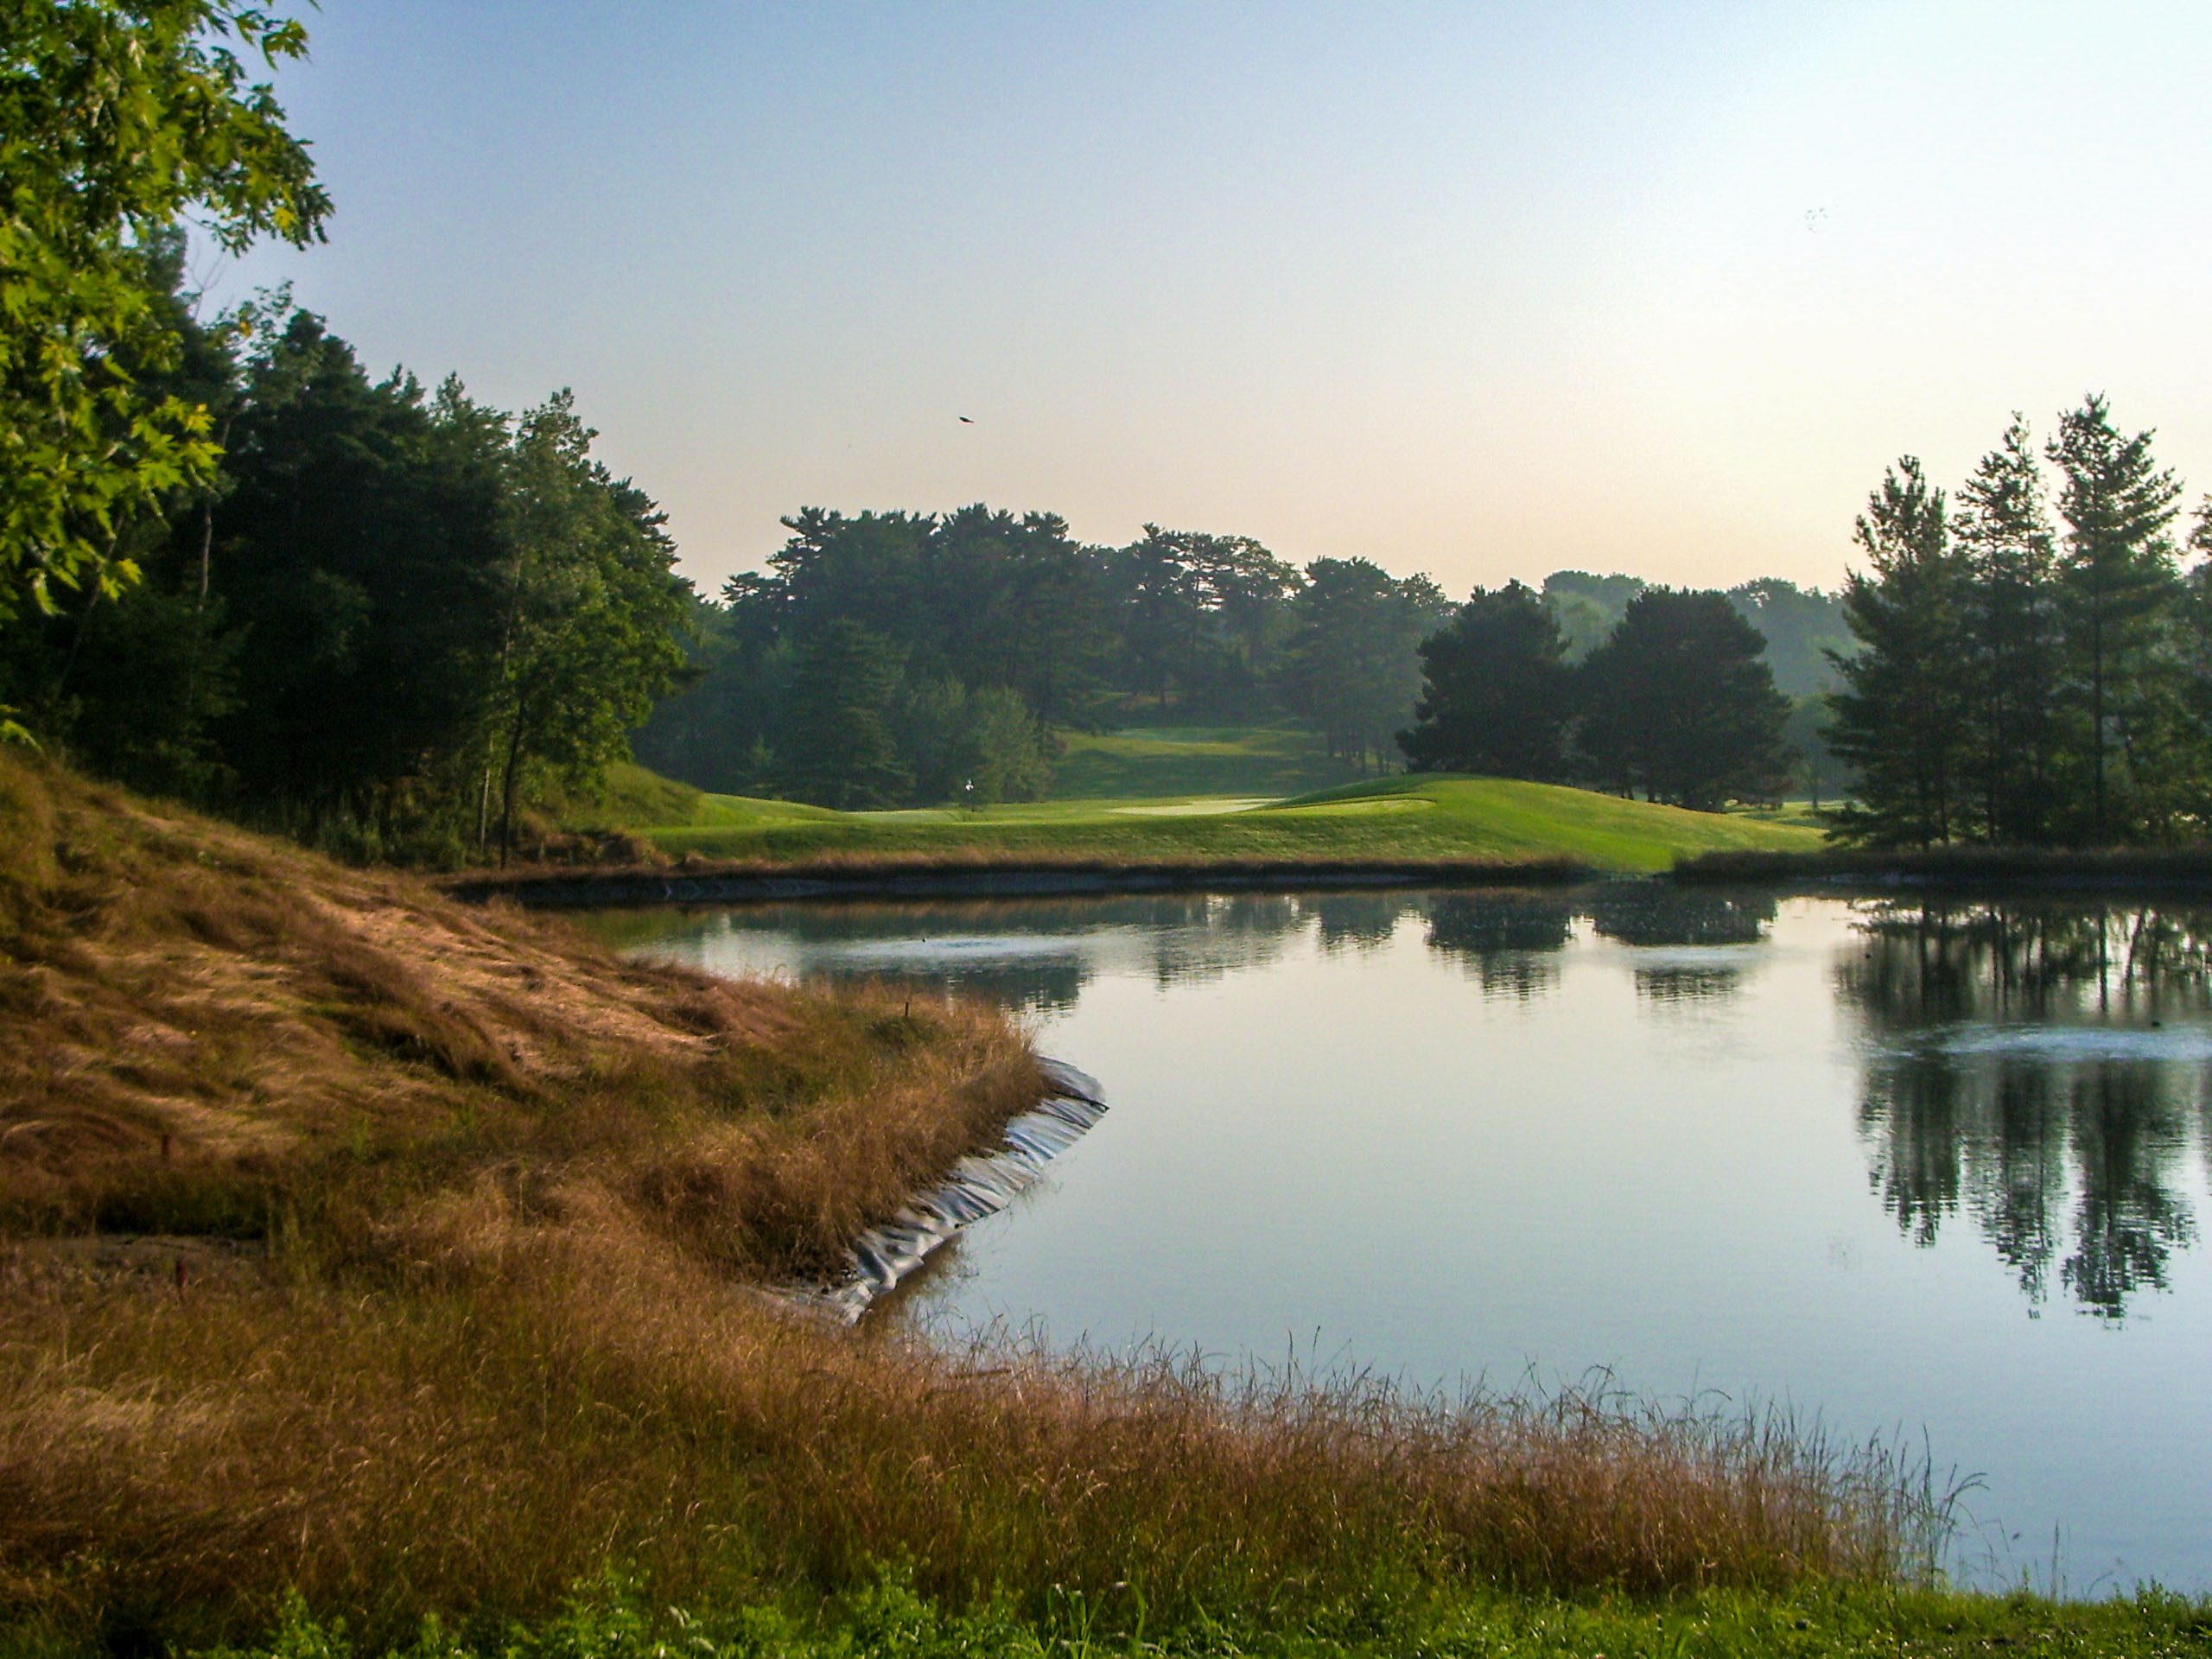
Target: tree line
[
  {"x": 385, "y": 618},
  {"x": 233, "y": 567},
  {"x": 1677, "y": 701},
  {"x": 2035, "y": 667},
  {"x": 885, "y": 657}
]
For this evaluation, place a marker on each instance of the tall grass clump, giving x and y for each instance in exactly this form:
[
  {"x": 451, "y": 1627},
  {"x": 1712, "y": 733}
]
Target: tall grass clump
[{"x": 540, "y": 1386}]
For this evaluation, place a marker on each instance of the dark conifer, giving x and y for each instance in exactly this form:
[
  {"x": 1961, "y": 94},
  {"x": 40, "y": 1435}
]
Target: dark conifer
[
  {"x": 2116, "y": 575},
  {"x": 1496, "y": 690},
  {"x": 1902, "y": 717},
  {"x": 1679, "y": 700}
]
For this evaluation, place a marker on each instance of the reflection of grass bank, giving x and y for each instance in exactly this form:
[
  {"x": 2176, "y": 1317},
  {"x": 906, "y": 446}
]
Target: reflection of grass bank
[{"x": 1401, "y": 819}]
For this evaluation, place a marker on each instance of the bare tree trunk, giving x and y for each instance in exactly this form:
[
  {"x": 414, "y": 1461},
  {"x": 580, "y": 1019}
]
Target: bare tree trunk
[{"x": 507, "y": 786}]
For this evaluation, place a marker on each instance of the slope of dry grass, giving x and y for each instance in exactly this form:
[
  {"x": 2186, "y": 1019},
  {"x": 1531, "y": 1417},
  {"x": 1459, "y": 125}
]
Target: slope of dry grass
[
  {"x": 208, "y": 1032},
  {"x": 408, "y": 1256}
]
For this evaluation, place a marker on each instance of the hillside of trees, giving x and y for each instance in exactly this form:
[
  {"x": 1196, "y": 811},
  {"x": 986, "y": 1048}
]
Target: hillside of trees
[
  {"x": 885, "y": 658},
  {"x": 896, "y": 656},
  {"x": 381, "y": 620}
]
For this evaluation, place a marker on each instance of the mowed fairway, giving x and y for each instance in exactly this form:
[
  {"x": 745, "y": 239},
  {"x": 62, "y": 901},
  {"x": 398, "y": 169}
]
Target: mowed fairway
[{"x": 1383, "y": 821}]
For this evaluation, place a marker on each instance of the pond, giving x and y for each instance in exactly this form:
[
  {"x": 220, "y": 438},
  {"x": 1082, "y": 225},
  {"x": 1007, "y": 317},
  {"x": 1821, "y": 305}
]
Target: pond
[{"x": 1915, "y": 1169}]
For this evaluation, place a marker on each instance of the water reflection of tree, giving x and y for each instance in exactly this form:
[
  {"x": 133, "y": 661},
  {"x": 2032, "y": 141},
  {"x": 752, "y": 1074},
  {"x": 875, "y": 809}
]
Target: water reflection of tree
[
  {"x": 1509, "y": 942},
  {"x": 1651, "y": 915},
  {"x": 2016, "y": 1139},
  {"x": 1929, "y": 964},
  {"x": 2129, "y": 1222},
  {"x": 1218, "y": 933},
  {"x": 1362, "y": 921},
  {"x": 1686, "y": 983},
  {"x": 1654, "y": 914}
]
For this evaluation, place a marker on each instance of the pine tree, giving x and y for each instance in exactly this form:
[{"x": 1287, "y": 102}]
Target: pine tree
[
  {"x": 1495, "y": 689},
  {"x": 2002, "y": 530},
  {"x": 2116, "y": 573},
  {"x": 1902, "y": 717},
  {"x": 837, "y": 748},
  {"x": 1679, "y": 699}
]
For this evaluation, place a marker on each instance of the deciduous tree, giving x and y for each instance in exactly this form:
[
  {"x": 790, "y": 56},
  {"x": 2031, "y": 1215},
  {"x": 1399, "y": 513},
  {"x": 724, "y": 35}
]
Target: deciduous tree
[{"x": 116, "y": 118}]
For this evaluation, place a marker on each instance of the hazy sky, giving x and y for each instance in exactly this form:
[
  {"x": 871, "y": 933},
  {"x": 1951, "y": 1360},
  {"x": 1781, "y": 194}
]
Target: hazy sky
[{"x": 1479, "y": 290}]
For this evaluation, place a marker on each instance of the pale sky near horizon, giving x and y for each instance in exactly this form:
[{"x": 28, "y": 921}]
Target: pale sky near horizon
[{"x": 1485, "y": 290}]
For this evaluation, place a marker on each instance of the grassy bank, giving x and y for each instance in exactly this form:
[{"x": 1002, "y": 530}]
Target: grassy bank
[
  {"x": 408, "y": 1259},
  {"x": 1401, "y": 819}
]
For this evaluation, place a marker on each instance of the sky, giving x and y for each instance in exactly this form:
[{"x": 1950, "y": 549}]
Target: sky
[{"x": 1485, "y": 290}]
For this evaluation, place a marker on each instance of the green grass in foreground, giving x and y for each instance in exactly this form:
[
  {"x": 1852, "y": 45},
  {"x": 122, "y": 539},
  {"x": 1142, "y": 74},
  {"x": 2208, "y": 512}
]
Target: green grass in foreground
[
  {"x": 1393, "y": 819},
  {"x": 889, "y": 1619}
]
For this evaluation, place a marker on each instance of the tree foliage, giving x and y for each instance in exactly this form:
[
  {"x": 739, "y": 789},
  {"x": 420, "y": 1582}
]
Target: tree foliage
[
  {"x": 1679, "y": 701},
  {"x": 840, "y": 748},
  {"x": 392, "y": 615},
  {"x": 1006, "y": 630},
  {"x": 1902, "y": 719},
  {"x": 2021, "y": 683},
  {"x": 1352, "y": 666},
  {"x": 117, "y": 120},
  {"x": 587, "y": 627},
  {"x": 1498, "y": 694},
  {"x": 2116, "y": 580}
]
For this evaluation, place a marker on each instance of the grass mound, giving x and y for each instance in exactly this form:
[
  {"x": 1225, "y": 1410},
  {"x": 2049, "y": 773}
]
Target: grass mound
[
  {"x": 1422, "y": 819},
  {"x": 206, "y": 1030},
  {"x": 410, "y": 1259},
  {"x": 1509, "y": 817}
]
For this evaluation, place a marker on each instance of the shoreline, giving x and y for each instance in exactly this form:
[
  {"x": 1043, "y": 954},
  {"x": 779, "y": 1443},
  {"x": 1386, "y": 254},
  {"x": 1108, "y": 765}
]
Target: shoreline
[
  {"x": 1958, "y": 870},
  {"x": 981, "y": 1184},
  {"x": 566, "y": 889}
]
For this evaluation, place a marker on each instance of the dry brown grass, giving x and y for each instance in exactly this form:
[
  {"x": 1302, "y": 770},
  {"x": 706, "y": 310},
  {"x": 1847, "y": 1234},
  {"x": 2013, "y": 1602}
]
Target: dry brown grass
[
  {"x": 552, "y": 1386},
  {"x": 202, "y": 1026},
  {"x": 454, "y": 1296}
]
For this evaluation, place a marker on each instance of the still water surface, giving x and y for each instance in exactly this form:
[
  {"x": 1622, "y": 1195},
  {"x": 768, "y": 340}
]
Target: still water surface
[{"x": 1922, "y": 1169}]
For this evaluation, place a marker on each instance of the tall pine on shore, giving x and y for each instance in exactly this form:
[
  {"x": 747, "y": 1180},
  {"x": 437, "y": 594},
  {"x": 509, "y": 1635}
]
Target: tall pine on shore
[
  {"x": 2018, "y": 683},
  {"x": 1902, "y": 717},
  {"x": 2116, "y": 579},
  {"x": 2001, "y": 526}
]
